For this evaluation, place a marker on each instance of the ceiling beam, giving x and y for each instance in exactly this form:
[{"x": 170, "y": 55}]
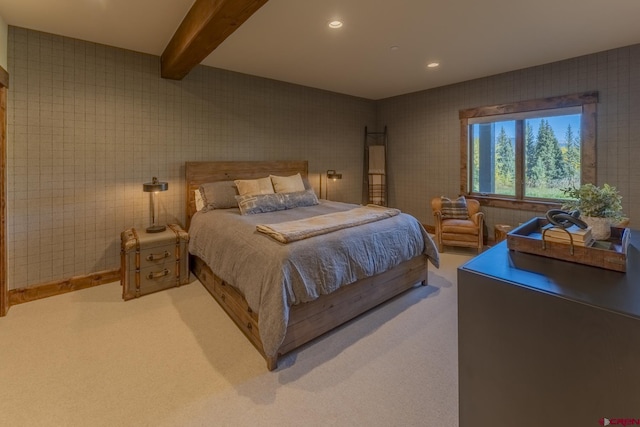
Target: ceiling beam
[{"x": 207, "y": 24}]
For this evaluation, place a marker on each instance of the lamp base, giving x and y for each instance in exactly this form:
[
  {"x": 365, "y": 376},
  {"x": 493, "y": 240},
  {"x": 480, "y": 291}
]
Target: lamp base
[{"x": 156, "y": 228}]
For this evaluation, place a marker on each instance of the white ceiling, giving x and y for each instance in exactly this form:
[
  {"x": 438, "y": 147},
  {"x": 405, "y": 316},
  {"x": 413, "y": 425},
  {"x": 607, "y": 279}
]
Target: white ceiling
[{"x": 289, "y": 40}]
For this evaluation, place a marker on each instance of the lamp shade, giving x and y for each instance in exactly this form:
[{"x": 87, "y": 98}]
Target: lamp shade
[{"x": 154, "y": 186}]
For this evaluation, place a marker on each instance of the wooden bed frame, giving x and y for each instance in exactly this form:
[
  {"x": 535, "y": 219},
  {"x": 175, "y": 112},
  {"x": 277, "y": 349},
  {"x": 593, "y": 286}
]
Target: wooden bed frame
[{"x": 309, "y": 320}]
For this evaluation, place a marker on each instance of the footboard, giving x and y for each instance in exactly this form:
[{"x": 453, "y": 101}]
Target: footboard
[{"x": 310, "y": 320}]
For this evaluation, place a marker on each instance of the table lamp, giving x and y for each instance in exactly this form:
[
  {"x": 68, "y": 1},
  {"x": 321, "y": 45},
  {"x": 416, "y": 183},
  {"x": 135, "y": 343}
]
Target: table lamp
[{"x": 154, "y": 187}]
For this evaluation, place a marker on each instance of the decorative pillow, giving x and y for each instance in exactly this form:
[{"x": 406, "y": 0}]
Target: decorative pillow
[
  {"x": 261, "y": 203},
  {"x": 218, "y": 195},
  {"x": 300, "y": 199},
  {"x": 454, "y": 209},
  {"x": 251, "y": 187},
  {"x": 199, "y": 201},
  {"x": 287, "y": 184}
]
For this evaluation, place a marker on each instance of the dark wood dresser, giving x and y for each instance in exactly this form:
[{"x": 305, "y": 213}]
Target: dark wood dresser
[{"x": 544, "y": 342}]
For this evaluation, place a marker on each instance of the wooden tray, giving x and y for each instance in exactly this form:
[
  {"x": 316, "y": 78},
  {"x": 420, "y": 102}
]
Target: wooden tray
[{"x": 610, "y": 254}]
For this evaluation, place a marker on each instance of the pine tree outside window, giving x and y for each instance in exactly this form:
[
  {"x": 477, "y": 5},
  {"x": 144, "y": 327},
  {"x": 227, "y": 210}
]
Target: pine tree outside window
[{"x": 522, "y": 155}]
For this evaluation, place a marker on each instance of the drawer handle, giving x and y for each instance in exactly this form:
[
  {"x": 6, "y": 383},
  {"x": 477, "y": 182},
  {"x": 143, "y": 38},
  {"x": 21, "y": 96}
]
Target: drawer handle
[
  {"x": 156, "y": 257},
  {"x": 157, "y": 275}
]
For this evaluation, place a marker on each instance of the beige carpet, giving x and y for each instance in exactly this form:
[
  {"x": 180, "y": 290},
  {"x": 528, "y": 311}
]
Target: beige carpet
[{"x": 175, "y": 359}]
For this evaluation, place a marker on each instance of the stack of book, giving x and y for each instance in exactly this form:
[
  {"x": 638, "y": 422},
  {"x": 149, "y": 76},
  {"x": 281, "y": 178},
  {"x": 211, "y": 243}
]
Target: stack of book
[{"x": 581, "y": 236}]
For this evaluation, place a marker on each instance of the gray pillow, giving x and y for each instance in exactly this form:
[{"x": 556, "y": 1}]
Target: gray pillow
[
  {"x": 262, "y": 203},
  {"x": 219, "y": 195}
]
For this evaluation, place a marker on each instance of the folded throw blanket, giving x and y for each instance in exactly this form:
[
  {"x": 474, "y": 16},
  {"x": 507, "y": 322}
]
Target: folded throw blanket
[{"x": 291, "y": 231}]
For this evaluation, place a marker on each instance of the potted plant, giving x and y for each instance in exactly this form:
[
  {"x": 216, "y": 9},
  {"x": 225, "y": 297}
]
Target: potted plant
[{"x": 599, "y": 207}]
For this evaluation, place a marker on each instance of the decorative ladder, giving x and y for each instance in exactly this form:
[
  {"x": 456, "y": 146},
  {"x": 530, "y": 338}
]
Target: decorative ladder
[{"x": 374, "y": 189}]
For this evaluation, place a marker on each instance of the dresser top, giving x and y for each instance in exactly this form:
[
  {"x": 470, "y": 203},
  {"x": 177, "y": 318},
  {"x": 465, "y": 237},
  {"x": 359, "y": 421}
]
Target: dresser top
[{"x": 606, "y": 289}]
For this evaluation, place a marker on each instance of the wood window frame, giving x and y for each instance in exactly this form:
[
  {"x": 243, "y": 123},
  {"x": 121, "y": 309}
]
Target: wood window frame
[
  {"x": 587, "y": 100},
  {"x": 4, "y": 293}
]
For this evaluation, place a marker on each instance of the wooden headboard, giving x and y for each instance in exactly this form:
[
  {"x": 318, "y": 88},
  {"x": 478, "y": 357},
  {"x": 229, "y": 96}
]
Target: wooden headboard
[{"x": 202, "y": 172}]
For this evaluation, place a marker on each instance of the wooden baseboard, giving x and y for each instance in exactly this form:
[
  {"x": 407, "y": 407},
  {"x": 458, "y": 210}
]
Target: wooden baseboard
[{"x": 49, "y": 289}]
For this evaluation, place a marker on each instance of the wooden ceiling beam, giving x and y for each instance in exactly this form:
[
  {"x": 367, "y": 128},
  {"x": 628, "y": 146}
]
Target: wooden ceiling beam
[{"x": 207, "y": 24}]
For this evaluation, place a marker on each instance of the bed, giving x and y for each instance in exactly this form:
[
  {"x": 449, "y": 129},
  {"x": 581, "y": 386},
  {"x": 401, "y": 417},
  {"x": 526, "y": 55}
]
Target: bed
[{"x": 290, "y": 303}]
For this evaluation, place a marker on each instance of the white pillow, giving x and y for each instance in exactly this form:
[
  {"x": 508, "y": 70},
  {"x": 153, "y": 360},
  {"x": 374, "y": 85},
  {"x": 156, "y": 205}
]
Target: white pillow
[
  {"x": 199, "y": 201},
  {"x": 252, "y": 187},
  {"x": 287, "y": 184}
]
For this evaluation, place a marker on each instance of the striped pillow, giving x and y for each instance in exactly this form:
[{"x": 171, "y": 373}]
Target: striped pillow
[
  {"x": 454, "y": 209},
  {"x": 262, "y": 203}
]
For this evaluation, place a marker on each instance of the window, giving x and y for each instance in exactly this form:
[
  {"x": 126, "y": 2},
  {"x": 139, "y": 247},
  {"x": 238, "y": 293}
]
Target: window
[{"x": 522, "y": 155}]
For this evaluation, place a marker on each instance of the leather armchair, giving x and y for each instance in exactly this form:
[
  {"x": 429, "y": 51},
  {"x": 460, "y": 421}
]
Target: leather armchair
[{"x": 459, "y": 232}]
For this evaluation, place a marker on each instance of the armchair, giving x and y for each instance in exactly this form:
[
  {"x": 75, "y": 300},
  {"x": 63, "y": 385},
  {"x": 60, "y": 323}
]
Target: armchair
[{"x": 454, "y": 226}]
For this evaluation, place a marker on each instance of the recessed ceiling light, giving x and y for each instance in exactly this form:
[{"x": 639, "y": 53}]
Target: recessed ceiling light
[
  {"x": 335, "y": 24},
  {"x": 394, "y": 48},
  {"x": 433, "y": 65}
]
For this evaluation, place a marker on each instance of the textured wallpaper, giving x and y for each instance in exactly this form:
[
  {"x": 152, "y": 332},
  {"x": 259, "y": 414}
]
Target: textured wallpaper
[
  {"x": 89, "y": 124},
  {"x": 424, "y": 129}
]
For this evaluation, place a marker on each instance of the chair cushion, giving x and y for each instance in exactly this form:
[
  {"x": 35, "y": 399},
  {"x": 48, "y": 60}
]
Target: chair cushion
[
  {"x": 458, "y": 239},
  {"x": 460, "y": 226},
  {"x": 454, "y": 209}
]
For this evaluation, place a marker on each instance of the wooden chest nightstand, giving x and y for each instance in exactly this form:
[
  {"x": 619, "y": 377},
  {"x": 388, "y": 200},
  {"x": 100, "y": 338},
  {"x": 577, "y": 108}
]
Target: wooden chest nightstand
[{"x": 151, "y": 262}]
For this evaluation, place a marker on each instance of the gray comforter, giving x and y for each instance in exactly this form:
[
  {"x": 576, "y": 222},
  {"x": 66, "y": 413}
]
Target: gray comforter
[{"x": 273, "y": 276}]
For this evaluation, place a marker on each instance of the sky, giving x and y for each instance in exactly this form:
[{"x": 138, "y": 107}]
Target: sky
[{"x": 558, "y": 124}]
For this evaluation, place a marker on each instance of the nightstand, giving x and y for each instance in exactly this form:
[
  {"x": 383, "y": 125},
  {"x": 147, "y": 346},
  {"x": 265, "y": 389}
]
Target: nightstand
[{"x": 151, "y": 262}]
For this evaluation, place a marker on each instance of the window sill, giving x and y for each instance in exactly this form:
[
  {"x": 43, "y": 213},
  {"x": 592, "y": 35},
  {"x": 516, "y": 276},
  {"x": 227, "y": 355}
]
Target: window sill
[{"x": 505, "y": 203}]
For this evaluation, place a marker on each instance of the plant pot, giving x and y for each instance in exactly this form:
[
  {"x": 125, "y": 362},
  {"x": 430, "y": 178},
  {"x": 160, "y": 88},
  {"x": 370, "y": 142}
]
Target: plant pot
[{"x": 600, "y": 227}]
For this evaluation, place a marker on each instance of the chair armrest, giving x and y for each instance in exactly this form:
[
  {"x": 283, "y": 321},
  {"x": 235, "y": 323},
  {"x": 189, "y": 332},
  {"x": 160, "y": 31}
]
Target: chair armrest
[
  {"x": 437, "y": 216},
  {"x": 478, "y": 218}
]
